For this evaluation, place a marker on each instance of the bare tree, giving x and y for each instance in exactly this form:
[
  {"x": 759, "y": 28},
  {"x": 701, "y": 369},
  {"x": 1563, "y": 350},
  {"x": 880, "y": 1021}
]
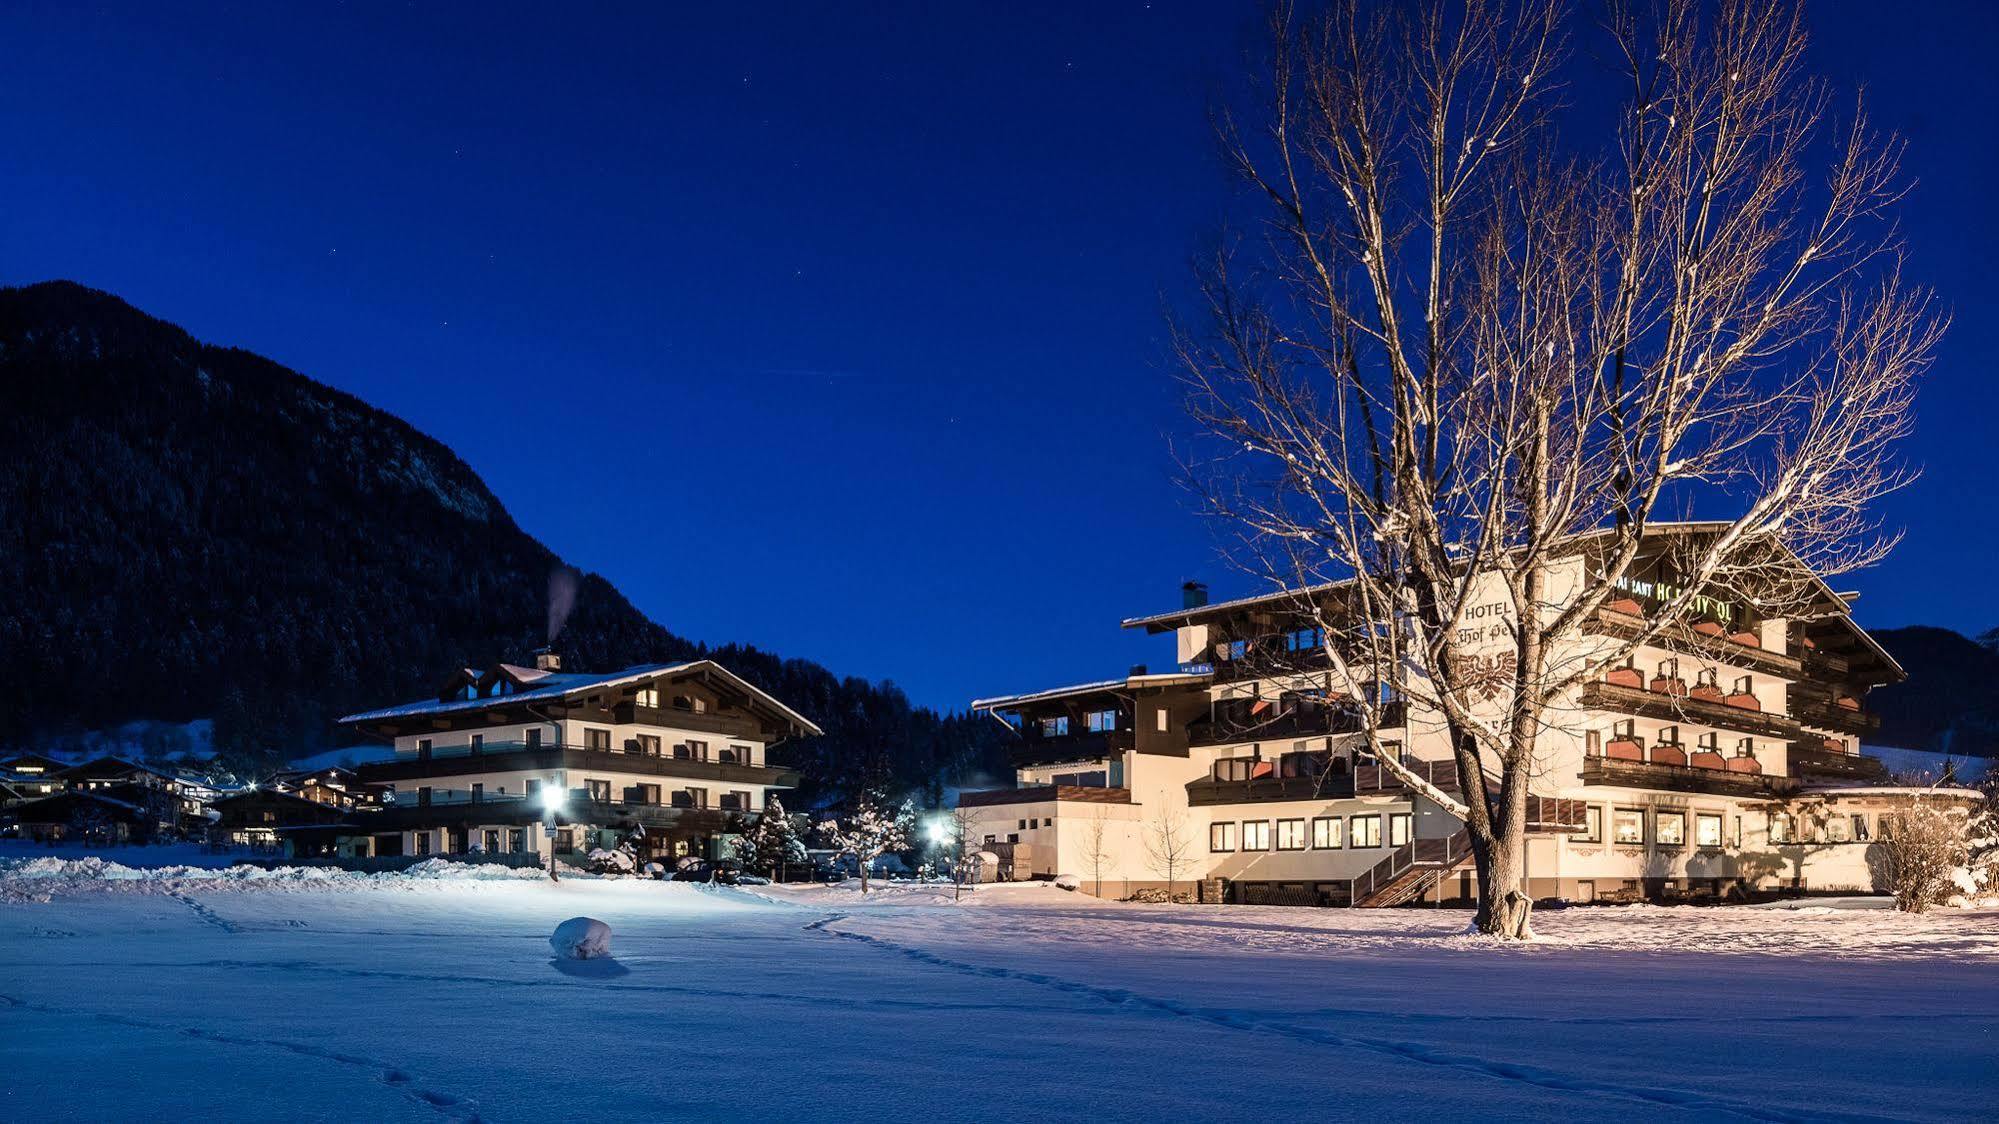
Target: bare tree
[
  {"x": 1458, "y": 361},
  {"x": 1169, "y": 849},
  {"x": 965, "y": 847},
  {"x": 1097, "y": 850}
]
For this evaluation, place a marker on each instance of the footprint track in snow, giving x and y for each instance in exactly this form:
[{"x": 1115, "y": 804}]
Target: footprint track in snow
[
  {"x": 445, "y": 1104},
  {"x": 1411, "y": 1051}
]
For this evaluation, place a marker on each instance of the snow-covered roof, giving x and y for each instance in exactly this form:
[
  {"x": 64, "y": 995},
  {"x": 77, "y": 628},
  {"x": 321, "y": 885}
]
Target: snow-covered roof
[
  {"x": 550, "y": 686},
  {"x": 1948, "y": 791},
  {"x": 1128, "y": 683}
]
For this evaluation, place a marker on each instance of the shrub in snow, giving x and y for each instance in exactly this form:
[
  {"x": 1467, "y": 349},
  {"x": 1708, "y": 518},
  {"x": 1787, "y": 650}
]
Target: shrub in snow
[
  {"x": 1924, "y": 856},
  {"x": 581, "y": 938},
  {"x": 1068, "y": 882},
  {"x": 619, "y": 861}
]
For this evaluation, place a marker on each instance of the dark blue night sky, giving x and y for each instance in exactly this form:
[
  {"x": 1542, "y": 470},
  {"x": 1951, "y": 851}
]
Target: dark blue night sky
[{"x": 835, "y": 332}]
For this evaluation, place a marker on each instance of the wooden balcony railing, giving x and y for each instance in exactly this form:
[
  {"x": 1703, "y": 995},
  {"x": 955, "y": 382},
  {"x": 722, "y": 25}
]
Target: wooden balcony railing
[{"x": 1036, "y": 794}]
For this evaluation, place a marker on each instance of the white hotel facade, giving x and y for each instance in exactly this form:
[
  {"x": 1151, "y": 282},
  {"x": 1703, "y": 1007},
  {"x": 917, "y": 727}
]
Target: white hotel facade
[{"x": 1721, "y": 759}]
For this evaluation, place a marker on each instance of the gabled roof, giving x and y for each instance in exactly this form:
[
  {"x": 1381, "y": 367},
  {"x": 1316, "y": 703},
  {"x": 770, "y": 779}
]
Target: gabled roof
[
  {"x": 113, "y": 766},
  {"x": 1840, "y": 604},
  {"x": 552, "y": 686},
  {"x": 1128, "y": 683}
]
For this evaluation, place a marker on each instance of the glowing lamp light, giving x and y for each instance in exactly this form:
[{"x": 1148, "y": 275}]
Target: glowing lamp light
[
  {"x": 939, "y": 831},
  {"x": 551, "y": 799}
]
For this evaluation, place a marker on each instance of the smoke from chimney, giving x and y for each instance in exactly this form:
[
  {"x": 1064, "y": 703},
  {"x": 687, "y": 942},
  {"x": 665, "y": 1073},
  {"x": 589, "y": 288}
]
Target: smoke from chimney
[{"x": 561, "y": 599}]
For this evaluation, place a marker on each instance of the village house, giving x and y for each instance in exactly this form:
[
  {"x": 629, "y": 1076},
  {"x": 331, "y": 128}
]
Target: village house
[
  {"x": 1722, "y": 758},
  {"x": 533, "y": 760}
]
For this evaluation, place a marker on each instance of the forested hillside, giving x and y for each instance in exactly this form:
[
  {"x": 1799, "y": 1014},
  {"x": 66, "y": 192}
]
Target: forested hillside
[{"x": 194, "y": 531}]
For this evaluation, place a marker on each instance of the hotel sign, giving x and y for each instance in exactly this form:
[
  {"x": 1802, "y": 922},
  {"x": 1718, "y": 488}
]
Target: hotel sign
[{"x": 1661, "y": 592}]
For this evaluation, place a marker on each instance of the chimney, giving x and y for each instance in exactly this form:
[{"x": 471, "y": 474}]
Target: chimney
[
  {"x": 1193, "y": 595},
  {"x": 1137, "y": 670},
  {"x": 547, "y": 659}
]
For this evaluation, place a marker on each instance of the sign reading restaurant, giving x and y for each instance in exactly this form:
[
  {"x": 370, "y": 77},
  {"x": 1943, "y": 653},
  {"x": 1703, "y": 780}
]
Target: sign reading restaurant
[{"x": 1660, "y": 592}]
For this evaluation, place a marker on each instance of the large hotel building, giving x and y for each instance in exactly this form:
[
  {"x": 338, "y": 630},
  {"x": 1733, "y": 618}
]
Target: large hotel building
[
  {"x": 1721, "y": 757},
  {"x": 534, "y": 760}
]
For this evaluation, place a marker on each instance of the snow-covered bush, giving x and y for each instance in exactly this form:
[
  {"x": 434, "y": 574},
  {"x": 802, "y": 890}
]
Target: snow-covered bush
[
  {"x": 581, "y": 938},
  {"x": 1925, "y": 854},
  {"x": 620, "y": 861},
  {"x": 772, "y": 841}
]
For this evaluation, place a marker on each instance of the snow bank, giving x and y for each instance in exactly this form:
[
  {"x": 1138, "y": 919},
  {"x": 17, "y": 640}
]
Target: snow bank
[{"x": 581, "y": 938}]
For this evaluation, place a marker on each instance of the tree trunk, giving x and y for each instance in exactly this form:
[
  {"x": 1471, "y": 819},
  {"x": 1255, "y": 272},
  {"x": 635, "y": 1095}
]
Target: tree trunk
[
  {"x": 1502, "y": 906},
  {"x": 864, "y": 879}
]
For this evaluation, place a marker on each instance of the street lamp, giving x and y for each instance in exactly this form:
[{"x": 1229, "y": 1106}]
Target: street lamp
[{"x": 551, "y": 806}]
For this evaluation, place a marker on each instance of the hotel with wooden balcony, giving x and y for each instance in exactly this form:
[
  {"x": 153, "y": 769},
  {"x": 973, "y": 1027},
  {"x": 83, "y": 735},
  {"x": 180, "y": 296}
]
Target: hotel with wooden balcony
[
  {"x": 1720, "y": 758},
  {"x": 536, "y": 759}
]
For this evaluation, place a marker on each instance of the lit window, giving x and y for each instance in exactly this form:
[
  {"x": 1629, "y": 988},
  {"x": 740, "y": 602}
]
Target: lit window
[
  {"x": 1707, "y": 830},
  {"x": 1398, "y": 829},
  {"x": 1161, "y": 712},
  {"x": 1780, "y": 827},
  {"x": 1366, "y": 831},
  {"x": 1326, "y": 833},
  {"x": 1860, "y": 827},
  {"x": 1669, "y": 829},
  {"x": 1290, "y": 835},
  {"x": 647, "y": 697},
  {"x": 1256, "y": 835},
  {"x": 1627, "y": 825},
  {"x": 1221, "y": 837}
]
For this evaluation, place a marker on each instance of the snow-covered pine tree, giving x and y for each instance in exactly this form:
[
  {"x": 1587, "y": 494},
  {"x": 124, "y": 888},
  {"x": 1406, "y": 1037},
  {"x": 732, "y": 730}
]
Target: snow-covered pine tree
[
  {"x": 770, "y": 842},
  {"x": 870, "y": 832}
]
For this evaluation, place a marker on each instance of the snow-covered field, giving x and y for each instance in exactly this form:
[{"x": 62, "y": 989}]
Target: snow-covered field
[{"x": 309, "y": 995}]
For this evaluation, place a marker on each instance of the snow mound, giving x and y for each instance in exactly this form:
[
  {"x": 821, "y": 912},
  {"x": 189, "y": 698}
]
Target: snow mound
[
  {"x": 1068, "y": 882},
  {"x": 581, "y": 938}
]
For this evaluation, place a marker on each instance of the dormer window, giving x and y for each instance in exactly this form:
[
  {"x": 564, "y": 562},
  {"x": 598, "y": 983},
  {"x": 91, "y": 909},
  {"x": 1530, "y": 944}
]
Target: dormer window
[
  {"x": 1102, "y": 721},
  {"x": 647, "y": 697},
  {"x": 1055, "y": 727}
]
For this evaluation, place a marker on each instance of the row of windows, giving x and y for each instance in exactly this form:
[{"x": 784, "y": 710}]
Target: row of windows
[
  {"x": 1671, "y": 827},
  {"x": 1096, "y": 721},
  {"x": 1327, "y": 833}
]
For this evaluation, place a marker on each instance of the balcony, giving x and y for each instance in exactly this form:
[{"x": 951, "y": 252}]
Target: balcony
[
  {"x": 1269, "y": 660},
  {"x": 1090, "y": 745},
  {"x": 1067, "y": 793},
  {"x": 1836, "y": 708},
  {"x": 1232, "y": 721},
  {"x": 1672, "y": 706},
  {"x": 1679, "y": 778},
  {"x": 1625, "y": 619},
  {"x": 673, "y": 718},
  {"x": 1818, "y": 763},
  {"x": 1208, "y": 792},
  {"x": 519, "y": 757}
]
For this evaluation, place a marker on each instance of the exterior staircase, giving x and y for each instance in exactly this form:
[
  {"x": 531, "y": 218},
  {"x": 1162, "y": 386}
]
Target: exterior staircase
[{"x": 1410, "y": 871}]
